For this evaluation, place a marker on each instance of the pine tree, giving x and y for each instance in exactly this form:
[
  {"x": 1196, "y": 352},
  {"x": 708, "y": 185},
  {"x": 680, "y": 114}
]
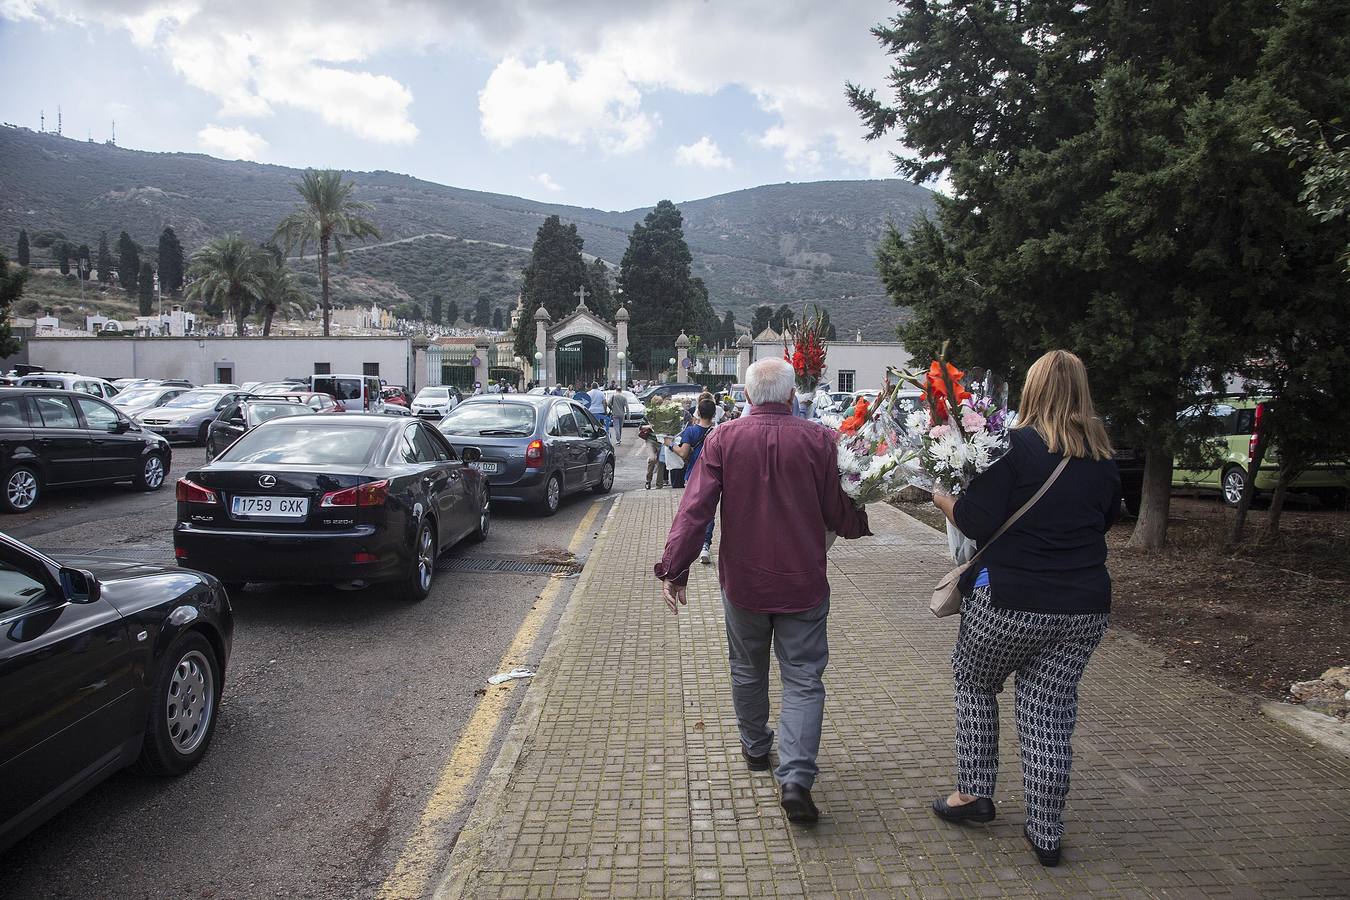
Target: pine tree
[
  {"x": 170, "y": 262},
  {"x": 663, "y": 299},
  {"x": 601, "y": 301},
  {"x": 482, "y": 314},
  {"x": 128, "y": 262},
  {"x": 452, "y": 313},
  {"x": 497, "y": 322},
  {"x": 763, "y": 316},
  {"x": 729, "y": 335},
  {"x": 145, "y": 288},
  {"x": 1108, "y": 196},
  {"x": 11, "y": 290},
  {"x": 23, "y": 248},
  {"x": 436, "y": 309},
  {"x": 554, "y": 273},
  {"x": 104, "y": 263}
]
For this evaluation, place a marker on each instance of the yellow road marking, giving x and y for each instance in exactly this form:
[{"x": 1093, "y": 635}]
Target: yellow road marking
[{"x": 420, "y": 853}]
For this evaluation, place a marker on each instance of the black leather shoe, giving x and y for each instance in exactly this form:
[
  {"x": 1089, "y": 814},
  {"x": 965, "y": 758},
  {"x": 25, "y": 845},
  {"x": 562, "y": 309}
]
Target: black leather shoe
[
  {"x": 1048, "y": 858},
  {"x": 755, "y": 763},
  {"x": 798, "y": 805},
  {"x": 981, "y": 809}
]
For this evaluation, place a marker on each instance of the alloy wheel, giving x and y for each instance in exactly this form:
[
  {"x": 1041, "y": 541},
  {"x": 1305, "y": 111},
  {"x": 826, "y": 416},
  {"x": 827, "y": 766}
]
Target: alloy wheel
[
  {"x": 485, "y": 515},
  {"x": 1233, "y": 484},
  {"x": 554, "y": 493},
  {"x": 426, "y": 558},
  {"x": 21, "y": 490},
  {"x": 190, "y": 702},
  {"x": 154, "y": 472},
  {"x": 607, "y": 476}
]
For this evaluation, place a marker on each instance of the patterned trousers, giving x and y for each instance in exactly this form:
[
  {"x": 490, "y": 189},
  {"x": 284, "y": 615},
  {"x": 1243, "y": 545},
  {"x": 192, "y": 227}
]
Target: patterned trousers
[{"x": 1049, "y": 652}]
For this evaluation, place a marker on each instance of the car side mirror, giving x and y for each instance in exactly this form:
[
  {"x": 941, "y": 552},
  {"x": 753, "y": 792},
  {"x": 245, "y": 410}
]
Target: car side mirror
[
  {"x": 471, "y": 454},
  {"x": 79, "y": 585},
  {"x": 121, "y": 426},
  {"x": 237, "y": 420}
]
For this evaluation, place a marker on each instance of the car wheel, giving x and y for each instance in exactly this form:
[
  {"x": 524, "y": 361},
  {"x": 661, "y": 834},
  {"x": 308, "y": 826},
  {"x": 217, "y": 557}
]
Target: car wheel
[
  {"x": 201, "y": 435},
  {"x": 480, "y": 533},
  {"x": 22, "y": 489},
  {"x": 606, "y": 478},
  {"x": 151, "y": 476},
  {"x": 182, "y": 706},
  {"x": 1232, "y": 484},
  {"x": 552, "y": 499},
  {"x": 423, "y": 566}
]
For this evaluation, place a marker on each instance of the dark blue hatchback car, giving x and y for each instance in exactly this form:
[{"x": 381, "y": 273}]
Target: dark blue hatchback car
[{"x": 535, "y": 449}]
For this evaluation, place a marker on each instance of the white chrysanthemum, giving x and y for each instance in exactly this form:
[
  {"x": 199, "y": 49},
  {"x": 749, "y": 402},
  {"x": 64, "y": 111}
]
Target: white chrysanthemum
[{"x": 917, "y": 420}]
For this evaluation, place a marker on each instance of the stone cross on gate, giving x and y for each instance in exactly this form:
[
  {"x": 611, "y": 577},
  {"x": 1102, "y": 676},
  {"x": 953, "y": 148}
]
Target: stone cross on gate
[{"x": 580, "y": 294}]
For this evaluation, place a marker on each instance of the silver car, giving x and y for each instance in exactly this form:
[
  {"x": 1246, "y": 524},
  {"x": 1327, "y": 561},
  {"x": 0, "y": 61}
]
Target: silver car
[
  {"x": 135, "y": 400},
  {"x": 186, "y": 417}
]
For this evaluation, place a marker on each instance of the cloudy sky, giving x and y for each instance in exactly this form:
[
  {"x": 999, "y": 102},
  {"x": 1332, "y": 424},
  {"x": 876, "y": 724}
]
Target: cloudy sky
[{"x": 605, "y": 103}]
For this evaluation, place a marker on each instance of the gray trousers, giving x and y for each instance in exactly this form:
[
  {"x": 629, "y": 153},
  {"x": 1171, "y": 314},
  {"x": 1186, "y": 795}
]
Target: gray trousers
[{"x": 800, "y": 644}]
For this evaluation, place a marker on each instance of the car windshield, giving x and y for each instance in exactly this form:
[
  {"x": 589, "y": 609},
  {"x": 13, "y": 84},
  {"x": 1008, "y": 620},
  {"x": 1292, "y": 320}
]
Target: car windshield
[
  {"x": 489, "y": 419},
  {"x": 195, "y": 399},
  {"x": 310, "y": 445},
  {"x": 259, "y": 413},
  {"x": 432, "y": 394},
  {"x": 132, "y": 396}
]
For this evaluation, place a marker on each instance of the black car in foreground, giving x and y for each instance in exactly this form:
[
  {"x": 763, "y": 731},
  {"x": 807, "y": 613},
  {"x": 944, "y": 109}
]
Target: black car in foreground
[
  {"x": 102, "y": 664},
  {"x": 534, "y": 449},
  {"x": 57, "y": 439},
  {"x": 350, "y": 499}
]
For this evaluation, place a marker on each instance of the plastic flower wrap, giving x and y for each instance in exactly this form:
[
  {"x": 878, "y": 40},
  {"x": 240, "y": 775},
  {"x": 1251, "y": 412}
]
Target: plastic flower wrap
[{"x": 871, "y": 449}]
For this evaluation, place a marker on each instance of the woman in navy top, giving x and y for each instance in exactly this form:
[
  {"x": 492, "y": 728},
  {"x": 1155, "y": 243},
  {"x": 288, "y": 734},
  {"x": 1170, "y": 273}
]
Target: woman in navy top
[{"x": 1038, "y": 604}]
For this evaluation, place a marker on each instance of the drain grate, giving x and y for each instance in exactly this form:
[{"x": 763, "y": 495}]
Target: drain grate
[{"x": 514, "y": 566}]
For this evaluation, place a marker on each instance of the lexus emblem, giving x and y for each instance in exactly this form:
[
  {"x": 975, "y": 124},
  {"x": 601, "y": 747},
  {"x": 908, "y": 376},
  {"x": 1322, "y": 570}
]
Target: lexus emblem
[{"x": 267, "y": 481}]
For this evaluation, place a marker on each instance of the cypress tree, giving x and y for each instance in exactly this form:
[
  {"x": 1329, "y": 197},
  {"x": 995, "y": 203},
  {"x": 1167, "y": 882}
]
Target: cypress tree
[
  {"x": 602, "y": 301},
  {"x": 663, "y": 299},
  {"x": 128, "y": 262},
  {"x": 552, "y": 276},
  {"x": 436, "y": 309},
  {"x": 23, "y": 248},
  {"x": 11, "y": 290},
  {"x": 763, "y": 315},
  {"x": 482, "y": 314},
  {"x": 452, "y": 313},
  {"x": 104, "y": 263},
  {"x": 63, "y": 251},
  {"x": 729, "y": 329},
  {"x": 497, "y": 322},
  {"x": 170, "y": 261},
  {"x": 145, "y": 288}
]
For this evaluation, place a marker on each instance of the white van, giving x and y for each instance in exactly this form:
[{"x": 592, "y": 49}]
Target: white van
[{"x": 356, "y": 393}]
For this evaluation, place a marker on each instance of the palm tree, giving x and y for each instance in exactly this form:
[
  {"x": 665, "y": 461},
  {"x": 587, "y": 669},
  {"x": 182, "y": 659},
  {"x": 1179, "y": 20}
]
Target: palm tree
[
  {"x": 226, "y": 274},
  {"x": 329, "y": 217},
  {"x": 281, "y": 290}
]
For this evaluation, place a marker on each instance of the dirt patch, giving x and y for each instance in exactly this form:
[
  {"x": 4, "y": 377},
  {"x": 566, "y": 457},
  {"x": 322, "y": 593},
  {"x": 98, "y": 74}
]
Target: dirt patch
[
  {"x": 924, "y": 511},
  {"x": 1274, "y": 613}
]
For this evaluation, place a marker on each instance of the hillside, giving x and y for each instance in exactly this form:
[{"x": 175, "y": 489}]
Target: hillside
[{"x": 784, "y": 243}]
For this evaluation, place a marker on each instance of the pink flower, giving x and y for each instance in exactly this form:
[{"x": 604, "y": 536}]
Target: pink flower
[
  {"x": 971, "y": 421},
  {"x": 937, "y": 432}
]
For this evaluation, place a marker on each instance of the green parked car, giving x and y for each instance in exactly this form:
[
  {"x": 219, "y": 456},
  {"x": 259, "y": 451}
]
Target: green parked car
[{"x": 1235, "y": 420}]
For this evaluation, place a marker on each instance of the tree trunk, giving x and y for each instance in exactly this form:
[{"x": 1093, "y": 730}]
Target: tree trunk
[
  {"x": 323, "y": 279},
  {"x": 239, "y": 324},
  {"x": 1150, "y": 529},
  {"x": 268, "y": 311},
  {"x": 1239, "y": 523},
  {"x": 1272, "y": 528}
]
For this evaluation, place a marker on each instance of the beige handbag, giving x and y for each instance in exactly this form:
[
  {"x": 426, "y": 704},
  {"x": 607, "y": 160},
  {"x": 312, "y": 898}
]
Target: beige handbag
[{"x": 947, "y": 595}]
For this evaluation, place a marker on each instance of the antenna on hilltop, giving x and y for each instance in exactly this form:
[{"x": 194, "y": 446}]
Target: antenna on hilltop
[
  {"x": 58, "y": 120},
  {"x": 113, "y": 140},
  {"x": 42, "y": 121}
]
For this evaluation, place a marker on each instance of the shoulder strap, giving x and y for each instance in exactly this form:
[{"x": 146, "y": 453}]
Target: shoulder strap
[{"x": 1012, "y": 520}]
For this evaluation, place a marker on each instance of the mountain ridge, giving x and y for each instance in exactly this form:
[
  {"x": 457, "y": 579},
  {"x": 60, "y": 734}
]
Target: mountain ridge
[{"x": 790, "y": 242}]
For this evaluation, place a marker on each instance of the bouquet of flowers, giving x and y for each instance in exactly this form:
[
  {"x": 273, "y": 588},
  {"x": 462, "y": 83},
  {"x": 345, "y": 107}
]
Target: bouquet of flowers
[
  {"x": 872, "y": 452},
  {"x": 807, "y": 353},
  {"x": 956, "y": 436}
]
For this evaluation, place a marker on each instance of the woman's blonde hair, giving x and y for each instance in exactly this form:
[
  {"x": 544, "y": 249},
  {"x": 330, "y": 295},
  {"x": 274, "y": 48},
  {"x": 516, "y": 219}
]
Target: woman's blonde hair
[{"x": 1057, "y": 402}]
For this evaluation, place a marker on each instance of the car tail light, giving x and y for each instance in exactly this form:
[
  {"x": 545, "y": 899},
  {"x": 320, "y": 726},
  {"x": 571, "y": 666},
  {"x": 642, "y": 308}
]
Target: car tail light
[
  {"x": 534, "y": 455},
  {"x": 1251, "y": 441},
  {"x": 179, "y": 553},
  {"x": 372, "y": 493},
  {"x": 361, "y": 556},
  {"x": 191, "y": 492}
]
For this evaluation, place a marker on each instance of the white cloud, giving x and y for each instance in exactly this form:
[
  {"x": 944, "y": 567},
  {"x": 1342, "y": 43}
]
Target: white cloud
[
  {"x": 546, "y": 181},
  {"x": 703, "y": 153},
  {"x": 231, "y": 142}
]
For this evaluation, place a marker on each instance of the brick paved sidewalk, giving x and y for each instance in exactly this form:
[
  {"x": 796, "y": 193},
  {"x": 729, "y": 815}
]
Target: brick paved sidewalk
[{"x": 624, "y": 777}]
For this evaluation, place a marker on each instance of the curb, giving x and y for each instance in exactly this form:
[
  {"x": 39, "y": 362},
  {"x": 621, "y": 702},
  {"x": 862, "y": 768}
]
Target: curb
[
  {"x": 1331, "y": 733},
  {"x": 473, "y": 837}
]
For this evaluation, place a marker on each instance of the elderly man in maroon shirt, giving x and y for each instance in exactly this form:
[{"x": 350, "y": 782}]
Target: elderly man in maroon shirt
[{"x": 778, "y": 482}]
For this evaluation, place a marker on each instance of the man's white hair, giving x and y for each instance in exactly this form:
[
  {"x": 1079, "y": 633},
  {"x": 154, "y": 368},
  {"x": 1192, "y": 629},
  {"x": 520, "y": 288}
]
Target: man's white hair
[{"x": 769, "y": 381}]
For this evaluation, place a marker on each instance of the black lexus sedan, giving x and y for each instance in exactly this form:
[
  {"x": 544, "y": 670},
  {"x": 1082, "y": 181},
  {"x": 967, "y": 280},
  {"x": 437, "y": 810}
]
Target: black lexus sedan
[
  {"x": 350, "y": 499},
  {"x": 534, "y": 449},
  {"x": 102, "y": 664}
]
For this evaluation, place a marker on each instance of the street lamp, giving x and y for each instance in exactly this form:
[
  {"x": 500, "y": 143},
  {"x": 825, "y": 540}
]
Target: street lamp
[
  {"x": 538, "y": 364},
  {"x": 622, "y": 381},
  {"x": 675, "y": 376}
]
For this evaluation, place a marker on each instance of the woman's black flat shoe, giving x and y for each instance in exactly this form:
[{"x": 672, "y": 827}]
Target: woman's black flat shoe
[
  {"x": 981, "y": 809},
  {"x": 1048, "y": 858}
]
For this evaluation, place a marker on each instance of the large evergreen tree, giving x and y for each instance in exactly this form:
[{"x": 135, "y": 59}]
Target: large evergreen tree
[
  {"x": 170, "y": 261},
  {"x": 763, "y": 316},
  {"x": 145, "y": 288},
  {"x": 63, "y": 251},
  {"x": 436, "y": 309},
  {"x": 104, "y": 262},
  {"x": 783, "y": 319},
  {"x": 729, "y": 329},
  {"x": 602, "y": 300},
  {"x": 128, "y": 262},
  {"x": 23, "y": 248},
  {"x": 1107, "y": 194},
  {"x": 663, "y": 298},
  {"x": 498, "y": 323},
  {"x": 11, "y": 290},
  {"x": 452, "y": 313},
  {"x": 554, "y": 273},
  {"x": 482, "y": 312}
]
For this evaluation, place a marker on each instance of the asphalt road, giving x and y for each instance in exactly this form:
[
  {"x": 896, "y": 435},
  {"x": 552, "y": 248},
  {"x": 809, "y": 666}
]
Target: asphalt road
[{"x": 340, "y": 711}]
